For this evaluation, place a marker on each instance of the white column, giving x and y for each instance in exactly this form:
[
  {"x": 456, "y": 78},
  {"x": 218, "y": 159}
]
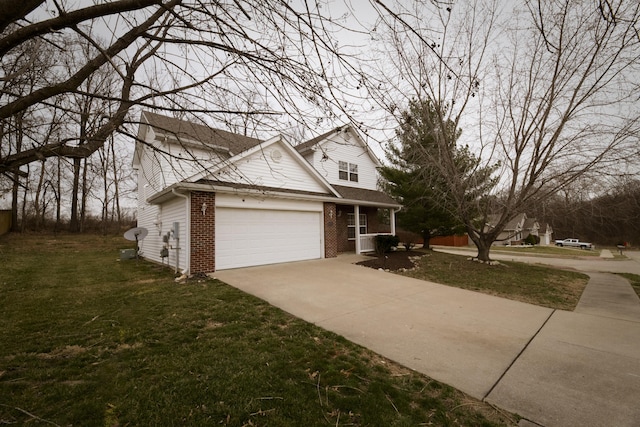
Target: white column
[
  {"x": 356, "y": 213},
  {"x": 392, "y": 220}
]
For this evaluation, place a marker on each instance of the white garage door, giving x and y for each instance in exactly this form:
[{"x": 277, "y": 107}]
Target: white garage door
[{"x": 246, "y": 237}]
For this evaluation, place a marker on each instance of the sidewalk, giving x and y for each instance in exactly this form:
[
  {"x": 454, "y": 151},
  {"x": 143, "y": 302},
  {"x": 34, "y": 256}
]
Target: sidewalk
[
  {"x": 583, "y": 367},
  {"x": 553, "y": 367}
]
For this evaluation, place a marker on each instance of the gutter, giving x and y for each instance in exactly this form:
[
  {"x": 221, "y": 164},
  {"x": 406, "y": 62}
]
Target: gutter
[{"x": 160, "y": 197}]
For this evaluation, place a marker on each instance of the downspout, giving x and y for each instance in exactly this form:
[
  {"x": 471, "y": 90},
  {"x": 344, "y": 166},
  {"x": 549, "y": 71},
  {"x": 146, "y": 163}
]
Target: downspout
[
  {"x": 356, "y": 212},
  {"x": 187, "y": 232}
]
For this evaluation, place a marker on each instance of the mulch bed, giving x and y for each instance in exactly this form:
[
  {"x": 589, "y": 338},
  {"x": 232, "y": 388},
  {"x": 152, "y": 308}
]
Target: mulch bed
[{"x": 392, "y": 261}]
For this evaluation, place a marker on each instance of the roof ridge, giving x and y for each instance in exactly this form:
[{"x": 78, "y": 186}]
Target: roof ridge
[
  {"x": 313, "y": 141},
  {"x": 200, "y": 132}
]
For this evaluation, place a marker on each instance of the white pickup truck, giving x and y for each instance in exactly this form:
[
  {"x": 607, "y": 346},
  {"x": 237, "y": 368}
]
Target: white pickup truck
[{"x": 574, "y": 243}]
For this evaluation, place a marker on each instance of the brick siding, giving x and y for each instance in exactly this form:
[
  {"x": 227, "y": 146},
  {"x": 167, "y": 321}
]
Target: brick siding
[
  {"x": 330, "y": 231},
  {"x": 203, "y": 232}
]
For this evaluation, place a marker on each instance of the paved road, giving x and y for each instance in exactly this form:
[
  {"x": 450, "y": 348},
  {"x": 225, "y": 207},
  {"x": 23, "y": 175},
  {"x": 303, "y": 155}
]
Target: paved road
[{"x": 553, "y": 367}]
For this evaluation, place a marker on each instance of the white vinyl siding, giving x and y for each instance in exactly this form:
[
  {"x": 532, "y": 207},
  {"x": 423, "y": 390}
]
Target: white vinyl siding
[
  {"x": 158, "y": 220},
  {"x": 182, "y": 163},
  {"x": 175, "y": 210},
  {"x": 329, "y": 156},
  {"x": 147, "y": 214},
  {"x": 272, "y": 167}
]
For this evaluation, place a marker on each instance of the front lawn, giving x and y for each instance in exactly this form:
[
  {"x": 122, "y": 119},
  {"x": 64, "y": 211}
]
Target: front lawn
[
  {"x": 86, "y": 339},
  {"x": 634, "y": 280},
  {"x": 544, "y": 286}
]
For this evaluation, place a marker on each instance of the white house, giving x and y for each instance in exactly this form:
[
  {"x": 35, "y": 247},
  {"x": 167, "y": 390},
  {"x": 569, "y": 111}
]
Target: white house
[
  {"x": 215, "y": 200},
  {"x": 520, "y": 227}
]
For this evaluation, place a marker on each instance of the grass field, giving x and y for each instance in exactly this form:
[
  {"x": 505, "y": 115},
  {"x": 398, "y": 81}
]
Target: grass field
[
  {"x": 634, "y": 279},
  {"x": 533, "y": 284},
  {"x": 86, "y": 339}
]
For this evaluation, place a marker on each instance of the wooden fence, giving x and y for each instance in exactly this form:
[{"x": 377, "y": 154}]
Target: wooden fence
[
  {"x": 450, "y": 240},
  {"x": 5, "y": 222}
]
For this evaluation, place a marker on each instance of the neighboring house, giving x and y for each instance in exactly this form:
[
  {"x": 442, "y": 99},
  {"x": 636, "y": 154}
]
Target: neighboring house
[
  {"x": 215, "y": 200},
  {"x": 545, "y": 233},
  {"x": 520, "y": 227}
]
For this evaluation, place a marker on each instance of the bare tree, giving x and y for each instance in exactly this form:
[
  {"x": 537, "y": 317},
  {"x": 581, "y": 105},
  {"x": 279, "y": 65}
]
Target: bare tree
[
  {"x": 180, "y": 56},
  {"x": 546, "y": 93},
  {"x": 26, "y": 69}
]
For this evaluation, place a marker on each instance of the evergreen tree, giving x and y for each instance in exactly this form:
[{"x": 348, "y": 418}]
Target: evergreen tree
[
  {"x": 442, "y": 185},
  {"x": 412, "y": 180}
]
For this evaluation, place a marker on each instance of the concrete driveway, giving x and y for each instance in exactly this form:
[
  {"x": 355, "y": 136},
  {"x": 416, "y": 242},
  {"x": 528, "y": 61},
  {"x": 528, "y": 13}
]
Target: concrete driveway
[{"x": 553, "y": 367}]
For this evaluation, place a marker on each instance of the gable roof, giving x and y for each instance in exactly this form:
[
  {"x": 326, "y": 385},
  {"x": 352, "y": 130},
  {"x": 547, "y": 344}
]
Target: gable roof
[
  {"x": 200, "y": 134},
  {"x": 546, "y": 228},
  {"x": 260, "y": 147},
  {"x": 516, "y": 222},
  {"x": 530, "y": 224},
  {"x": 307, "y": 146}
]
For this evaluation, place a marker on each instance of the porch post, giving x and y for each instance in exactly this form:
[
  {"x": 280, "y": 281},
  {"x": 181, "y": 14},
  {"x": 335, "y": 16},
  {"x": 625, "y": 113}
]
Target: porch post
[
  {"x": 356, "y": 214},
  {"x": 392, "y": 221}
]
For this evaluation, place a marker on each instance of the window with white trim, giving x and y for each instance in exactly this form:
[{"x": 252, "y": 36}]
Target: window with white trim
[
  {"x": 351, "y": 225},
  {"x": 348, "y": 171}
]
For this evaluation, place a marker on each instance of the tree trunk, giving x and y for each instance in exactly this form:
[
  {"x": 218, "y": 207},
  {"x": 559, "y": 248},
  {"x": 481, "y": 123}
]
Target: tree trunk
[
  {"x": 483, "y": 249},
  {"x": 116, "y": 194},
  {"x": 74, "y": 225},
  {"x": 58, "y": 197},
  {"x": 426, "y": 238},
  {"x": 104, "y": 169},
  {"x": 483, "y": 243},
  {"x": 37, "y": 212},
  {"x": 14, "y": 203},
  {"x": 83, "y": 201},
  {"x": 23, "y": 221},
  {"x": 16, "y": 177}
]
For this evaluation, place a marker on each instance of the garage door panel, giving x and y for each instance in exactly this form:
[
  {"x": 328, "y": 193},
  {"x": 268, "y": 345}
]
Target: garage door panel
[{"x": 246, "y": 237}]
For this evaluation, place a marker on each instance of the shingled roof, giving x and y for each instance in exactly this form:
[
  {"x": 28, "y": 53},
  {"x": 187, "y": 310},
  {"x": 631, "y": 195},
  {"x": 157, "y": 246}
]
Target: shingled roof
[
  {"x": 361, "y": 194},
  {"x": 306, "y": 146},
  {"x": 185, "y": 131}
]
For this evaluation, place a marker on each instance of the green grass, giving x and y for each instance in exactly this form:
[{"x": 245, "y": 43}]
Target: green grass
[
  {"x": 86, "y": 339},
  {"x": 634, "y": 279},
  {"x": 533, "y": 284}
]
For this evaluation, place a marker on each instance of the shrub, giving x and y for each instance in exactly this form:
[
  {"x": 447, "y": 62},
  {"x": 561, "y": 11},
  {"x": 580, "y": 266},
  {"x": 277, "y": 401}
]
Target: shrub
[
  {"x": 384, "y": 243},
  {"x": 532, "y": 240},
  {"x": 408, "y": 239}
]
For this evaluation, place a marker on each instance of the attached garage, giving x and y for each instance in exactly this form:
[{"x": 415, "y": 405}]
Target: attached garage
[{"x": 246, "y": 237}]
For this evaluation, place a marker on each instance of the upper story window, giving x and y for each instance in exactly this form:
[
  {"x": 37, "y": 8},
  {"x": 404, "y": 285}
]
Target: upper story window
[{"x": 348, "y": 171}]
